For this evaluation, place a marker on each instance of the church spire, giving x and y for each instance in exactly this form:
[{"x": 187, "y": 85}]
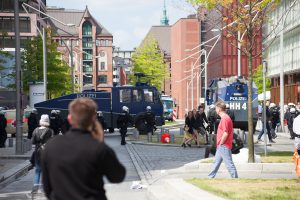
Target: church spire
[{"x": 164, "y": 21}]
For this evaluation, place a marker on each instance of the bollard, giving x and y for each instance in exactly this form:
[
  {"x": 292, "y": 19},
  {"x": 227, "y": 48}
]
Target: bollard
[
  {"x": 158, "y": 137},
  {"x": 149, "y": 137},
  {"x": 10, "y": 142},
  {"x": 181, "y": 131},
  {"x": 172, "y": 138},
  {"x": 136, "y": 134}
]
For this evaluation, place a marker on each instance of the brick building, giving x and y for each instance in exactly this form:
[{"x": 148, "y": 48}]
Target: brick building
[
  {"x": 91, "y": 45},
  {"x": 185, "y": 35},
  {"x": 223, "y": 60}
]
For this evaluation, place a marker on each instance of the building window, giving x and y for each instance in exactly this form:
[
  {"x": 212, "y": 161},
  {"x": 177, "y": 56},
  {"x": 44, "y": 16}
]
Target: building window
[
  {"x": 25, "y": 24},
  {"x": 87, "y": 67},
  {"x": 102, "y": 79},
  {"x": 106, "y": 43},
  {"x": 88, "y": 55},
  {"x": 102, "y": 43},
  {"x": 87, "y": 42},
  {"x": 136, "y": 95},
  {"x": 148, "y": 95},
  {"x": 87, "y": 79},
  {"x": 102, "y": 66},
  {"x": 87, "y": 28},
  {"x": 125, "y": 96},
  {"x": 6, "y": 5}
]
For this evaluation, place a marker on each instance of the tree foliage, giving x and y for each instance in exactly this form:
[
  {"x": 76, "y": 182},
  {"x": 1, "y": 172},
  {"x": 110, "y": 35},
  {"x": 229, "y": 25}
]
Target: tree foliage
[
  {"x": 258, "y": 79},
  {"x": 246, "y": 17},
  {"x": 149, "y": 60},
  {"x": 58, "y": 72}
]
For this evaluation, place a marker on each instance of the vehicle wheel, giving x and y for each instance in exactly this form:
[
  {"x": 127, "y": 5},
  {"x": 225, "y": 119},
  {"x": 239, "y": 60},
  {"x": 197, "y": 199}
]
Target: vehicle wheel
[{"x": 111, "y": 130}]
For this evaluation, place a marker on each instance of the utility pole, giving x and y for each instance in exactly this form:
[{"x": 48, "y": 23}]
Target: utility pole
[
  {"x": 281, "y": 77},
  {"x": 72, "y": 66},
  {"x": 45, "y": 63},
  {"x": 19, "y": 138},
  {"x": 264, "y": 111},
  {"x": 192, "y": 87},
  {"x": 239, "y": 54}
]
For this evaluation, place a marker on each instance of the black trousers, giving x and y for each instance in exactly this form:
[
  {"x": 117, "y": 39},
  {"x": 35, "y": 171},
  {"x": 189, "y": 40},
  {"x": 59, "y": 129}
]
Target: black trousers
[{"x": 123, "y": 132}]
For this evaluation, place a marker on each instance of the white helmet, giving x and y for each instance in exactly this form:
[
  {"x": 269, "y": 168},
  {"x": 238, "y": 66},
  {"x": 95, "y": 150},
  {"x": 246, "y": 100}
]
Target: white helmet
[
  {"x": 148, "y": 108},
  {"x": 57, "y": 112},
  {"x": 272, "y": 105},
  {"x": 290, "y": 104},
  {"x": 125, "y": 108},
  {"x": 53, "y": 111},
  {"x": 293, "y": 110},
  {"x": 99, "y": 113},
  {"x": 34, "y": 111},
  {"x": 212, "y": 106}
]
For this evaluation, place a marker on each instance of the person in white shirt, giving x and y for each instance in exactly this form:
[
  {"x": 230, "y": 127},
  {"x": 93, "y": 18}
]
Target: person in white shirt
[{"x": 296, "y": 130}]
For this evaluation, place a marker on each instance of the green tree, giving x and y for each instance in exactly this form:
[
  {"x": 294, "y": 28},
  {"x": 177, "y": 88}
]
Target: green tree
[
  {"x": 246, "y": 17},
  {"x": 258, "y": 79},
  {"x": 148, "y": 59},
  {"x": 58, "y": 72}
]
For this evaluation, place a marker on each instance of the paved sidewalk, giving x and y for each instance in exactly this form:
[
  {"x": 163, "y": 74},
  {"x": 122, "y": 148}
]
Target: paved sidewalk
[{"x": 12, "y": 166}]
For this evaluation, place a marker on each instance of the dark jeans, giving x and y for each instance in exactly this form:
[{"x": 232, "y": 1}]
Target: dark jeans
[
  {"x": 123, "y": 132},
  {"x": 268, "y": 131}
]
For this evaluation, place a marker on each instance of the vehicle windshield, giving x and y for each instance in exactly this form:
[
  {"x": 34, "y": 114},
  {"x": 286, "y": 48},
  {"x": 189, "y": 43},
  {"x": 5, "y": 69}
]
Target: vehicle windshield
[{"x": 167, "y": 104}]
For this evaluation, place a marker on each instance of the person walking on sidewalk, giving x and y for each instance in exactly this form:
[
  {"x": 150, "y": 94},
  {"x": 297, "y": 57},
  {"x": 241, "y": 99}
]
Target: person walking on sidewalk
[
  {"x": 74, "y": 164},
  {"x": 33, "y": 122},
  {"x": 268, "y": 125},
  {"x": 224, "y": 143},
  {"x": 3, "y": 133},
  {"x": 40, "y": 136},
  {"x": 296, "y": 130}
]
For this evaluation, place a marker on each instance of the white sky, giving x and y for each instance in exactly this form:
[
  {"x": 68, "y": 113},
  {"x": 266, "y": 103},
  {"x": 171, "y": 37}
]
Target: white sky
[{"x": 128, "y": 20}]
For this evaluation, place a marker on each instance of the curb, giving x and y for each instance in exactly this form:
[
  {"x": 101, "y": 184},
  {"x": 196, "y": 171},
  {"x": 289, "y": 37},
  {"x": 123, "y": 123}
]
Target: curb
[
  {"x": 133, "y": 155},
  {"x": 160, "y": 144},
  {"x": 14, "y": 173},
  {"x": 17, "y": 157}
]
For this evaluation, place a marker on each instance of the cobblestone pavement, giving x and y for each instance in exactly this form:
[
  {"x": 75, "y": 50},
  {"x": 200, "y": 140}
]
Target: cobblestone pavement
[{"x": 155, "y": 160}]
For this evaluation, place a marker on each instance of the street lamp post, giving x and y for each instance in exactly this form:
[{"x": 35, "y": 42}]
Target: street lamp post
[
  {"x": 205, "y": 78},
  {"x": 264, "y": 111},
  {"x": 19, "y": 139},
  {"x": 72, "y": 66},
  {"x": 44, "y": 38}
]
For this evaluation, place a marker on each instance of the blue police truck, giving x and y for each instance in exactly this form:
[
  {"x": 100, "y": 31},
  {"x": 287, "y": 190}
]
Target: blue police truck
[
  {"x": 136, "y": 98},
  {"x": 234, "y": 92}
]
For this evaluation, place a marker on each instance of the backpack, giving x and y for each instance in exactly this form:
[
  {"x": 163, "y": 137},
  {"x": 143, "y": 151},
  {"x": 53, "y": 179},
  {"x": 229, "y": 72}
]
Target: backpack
[
  {"x": 275, "y": 113},
  {"x": 237, "y": 144}
]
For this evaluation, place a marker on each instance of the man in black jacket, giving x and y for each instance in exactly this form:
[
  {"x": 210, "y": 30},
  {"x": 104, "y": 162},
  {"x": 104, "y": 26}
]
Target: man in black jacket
[
  {"x": 33, "y": 123},
  {"x": 3, "y": 133},
  {"x": 73, "y": 165}
]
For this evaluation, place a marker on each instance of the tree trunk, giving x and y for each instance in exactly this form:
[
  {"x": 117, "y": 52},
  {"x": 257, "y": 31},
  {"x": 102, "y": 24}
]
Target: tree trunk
[{"x": 250, "y": 111}]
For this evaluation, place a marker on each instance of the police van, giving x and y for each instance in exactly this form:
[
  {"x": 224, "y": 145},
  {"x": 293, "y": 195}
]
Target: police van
[
  {"x": 234, "y": 91},
  {"x": 136, "y": 98}
]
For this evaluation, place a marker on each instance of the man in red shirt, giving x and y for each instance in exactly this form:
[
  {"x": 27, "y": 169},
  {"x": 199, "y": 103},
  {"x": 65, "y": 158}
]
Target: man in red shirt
[{"x": 224, "y": 143}]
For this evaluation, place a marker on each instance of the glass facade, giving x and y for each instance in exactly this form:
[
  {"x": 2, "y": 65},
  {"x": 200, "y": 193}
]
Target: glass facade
[
  {"x": 87, "y": 55},
  {"x": 291, "y": 38}
]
